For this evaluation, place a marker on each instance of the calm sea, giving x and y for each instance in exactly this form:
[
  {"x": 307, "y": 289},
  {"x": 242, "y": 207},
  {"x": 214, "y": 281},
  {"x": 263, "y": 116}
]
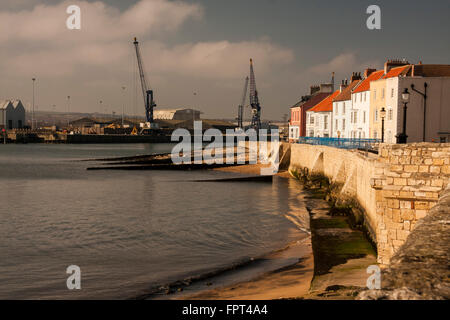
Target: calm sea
[{"x": 128, "y": 231}]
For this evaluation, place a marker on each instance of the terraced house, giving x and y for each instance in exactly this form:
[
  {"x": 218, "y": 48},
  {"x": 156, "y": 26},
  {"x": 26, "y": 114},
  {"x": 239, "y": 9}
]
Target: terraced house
[
  {"x": 427, "y": 118},
  {"x": 319, "y": 118},
  {"x": 342, "y": 106}
]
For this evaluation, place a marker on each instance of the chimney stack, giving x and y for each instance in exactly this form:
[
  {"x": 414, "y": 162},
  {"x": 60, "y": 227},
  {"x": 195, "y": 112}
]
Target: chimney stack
[
  {"x": 314, "y": 89},
  {"x": 355, "y": 76},
  {"x": 388, "y": 65},
  {"x": 332, "y": 82},
  {"x": 343, "y": 85},
  {"x": 368, "y": 72}
]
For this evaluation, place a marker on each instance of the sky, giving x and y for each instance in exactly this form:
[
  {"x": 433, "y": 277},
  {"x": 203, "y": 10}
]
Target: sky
[{"x": 204, "y": 47}]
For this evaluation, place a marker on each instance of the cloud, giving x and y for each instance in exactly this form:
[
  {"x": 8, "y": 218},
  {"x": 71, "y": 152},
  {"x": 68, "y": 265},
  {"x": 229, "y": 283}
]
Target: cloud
[
  {"x": 221, "y": 59},
  {"x": 93, "y": 62},
  {"x": 43, "y": 45},
  {"x": 343, "y": 63}
]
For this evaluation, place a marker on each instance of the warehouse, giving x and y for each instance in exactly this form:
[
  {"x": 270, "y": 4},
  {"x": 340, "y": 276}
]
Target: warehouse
[
  {"x": 12, "y": 114},
  {"x": 176, "y": 114}
]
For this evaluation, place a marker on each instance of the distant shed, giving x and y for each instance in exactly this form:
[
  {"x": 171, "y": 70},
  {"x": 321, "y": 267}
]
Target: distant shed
[{"x": 176, "y": 114}]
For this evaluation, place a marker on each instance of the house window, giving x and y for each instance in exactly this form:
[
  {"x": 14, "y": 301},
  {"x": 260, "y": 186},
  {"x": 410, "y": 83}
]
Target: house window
[
  {"x": 364, "y": 117},
  {"x": 390, "y": 114},
  {"x": 392, "y": 92},
  {"x": 325, "y": 122},
  {"x": 343, "y": 124},
  {"x": 376, "y": 115},
  {"x": 364, "y": 96},
  {"x": 312, "y": 119},
  {"x": 375, "y": 94},
  {"x": 382, "y": 93},
  {"x": 336, "y": 125},
  {"x": 343, "y": 107},
  {"x": 360, "y": 97}
]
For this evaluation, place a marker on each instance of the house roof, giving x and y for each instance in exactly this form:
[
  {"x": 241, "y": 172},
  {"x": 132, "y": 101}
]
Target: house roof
[
  {"x": 312, "y": 101},
  {"x": 365, "y": 84},
  {"x": 315, "y": 100},
  {"x": 5, "y": 103},
  {"x": 326, "y": 105},
  {"x": 346, "y": 94},
  {"x": 395, "y": 72}
]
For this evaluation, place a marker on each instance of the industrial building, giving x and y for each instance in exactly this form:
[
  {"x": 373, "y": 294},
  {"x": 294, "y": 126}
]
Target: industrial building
[
  {"x": 12, "y": 114},
  {"x": 176, "y": 114}
]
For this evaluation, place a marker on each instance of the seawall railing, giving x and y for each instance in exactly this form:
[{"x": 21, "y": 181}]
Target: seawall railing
[{"x": 342, "y": 143}]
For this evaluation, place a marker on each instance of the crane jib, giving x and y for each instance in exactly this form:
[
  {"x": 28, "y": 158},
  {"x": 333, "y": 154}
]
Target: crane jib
[{"x": 146, "y": 92}]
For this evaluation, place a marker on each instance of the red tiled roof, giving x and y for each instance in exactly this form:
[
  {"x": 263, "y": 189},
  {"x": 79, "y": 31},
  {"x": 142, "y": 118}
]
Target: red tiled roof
[
  {"x": 326, "y": 105},
  {"x": 365, "y": 84},
  {"x": 315, "y": 99},
  {"x": 346, "y": 94},
  {"x": 395, "y": 72}
]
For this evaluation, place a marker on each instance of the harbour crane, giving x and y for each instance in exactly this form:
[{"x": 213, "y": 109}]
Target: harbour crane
[
  {"x": 254, "y": 101},
  {"x": 146, "y": 91},
  {"x": 241, "y": 106}
]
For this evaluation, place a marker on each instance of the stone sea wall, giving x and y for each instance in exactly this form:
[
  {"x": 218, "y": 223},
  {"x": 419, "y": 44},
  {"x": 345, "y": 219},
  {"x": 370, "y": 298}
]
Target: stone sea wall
[
  {"x": 394, "y": 189},
  {"x": 420, "y": 269}
]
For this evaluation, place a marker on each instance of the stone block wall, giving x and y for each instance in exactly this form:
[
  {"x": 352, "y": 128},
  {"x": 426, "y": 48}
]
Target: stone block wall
[
  {"x": 395, "y": 188},
  {"x": 412, "y": 180}
]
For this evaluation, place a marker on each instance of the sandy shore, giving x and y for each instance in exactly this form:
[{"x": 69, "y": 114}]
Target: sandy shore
[
  {"x": 291, "y": 281},
  {"x": 343, "y": 280}
]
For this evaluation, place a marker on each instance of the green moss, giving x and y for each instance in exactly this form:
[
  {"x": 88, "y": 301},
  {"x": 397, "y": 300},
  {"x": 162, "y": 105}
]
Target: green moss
[{"x": 330, "y": 223}]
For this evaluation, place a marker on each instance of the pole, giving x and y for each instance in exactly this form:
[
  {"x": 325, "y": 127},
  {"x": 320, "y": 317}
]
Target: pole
[
  {"x": 123, "y": 105},
  {"x": 402, "y": 137},
  {"x": 382, "y": 130},
  {"x": 68, "y": 111},
  {"x": 32, "y": 110},
  {"x": 424, "y": 95}
]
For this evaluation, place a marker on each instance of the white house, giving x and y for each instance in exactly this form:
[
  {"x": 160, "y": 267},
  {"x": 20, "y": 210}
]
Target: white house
[
  {"x": 359, "y": 122},
  {"x": 342, "y": 106},
  {"x": 319, "y": 118},
  {"x": 430, "y": 124}
]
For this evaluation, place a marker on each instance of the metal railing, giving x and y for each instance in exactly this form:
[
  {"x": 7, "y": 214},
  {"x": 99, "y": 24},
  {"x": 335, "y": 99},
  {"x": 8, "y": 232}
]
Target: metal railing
[{"x": 343, "y": 143}]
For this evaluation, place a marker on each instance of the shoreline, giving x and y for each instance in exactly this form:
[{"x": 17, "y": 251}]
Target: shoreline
[{"x": 333, "y": 265}]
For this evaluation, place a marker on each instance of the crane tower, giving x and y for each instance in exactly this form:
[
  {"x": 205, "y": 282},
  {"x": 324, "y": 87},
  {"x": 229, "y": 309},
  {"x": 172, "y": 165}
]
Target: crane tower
[
  {"x": 242, "y": 105},
  {"x": 254, "y": 101},
  {"x": 146, "y": 91}
]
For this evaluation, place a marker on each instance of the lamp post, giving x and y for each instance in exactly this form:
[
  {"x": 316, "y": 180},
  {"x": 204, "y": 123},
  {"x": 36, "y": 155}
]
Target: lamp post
[
  {"x": 54, "y": 119},
  {"x": 382, "y": 115},
  {"x": 68, "y": 111},
  {"x": 123, "y": 104},
  {"x": 424, "y": 95},
  {"x": 32, "y": 109},
  {"x": 402, "y": 137}
]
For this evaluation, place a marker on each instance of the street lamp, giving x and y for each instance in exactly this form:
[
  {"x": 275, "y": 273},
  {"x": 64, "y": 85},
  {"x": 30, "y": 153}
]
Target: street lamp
[
  {"x": 424, "y": 95},
  {"x": 382, "y": 115},
  {"x": 123, "y": 104},
  {"x": 402, "y": 137},
  {"x": 68, "y": 111},
  {"x": 32, "y": 110}
]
